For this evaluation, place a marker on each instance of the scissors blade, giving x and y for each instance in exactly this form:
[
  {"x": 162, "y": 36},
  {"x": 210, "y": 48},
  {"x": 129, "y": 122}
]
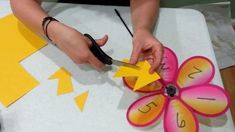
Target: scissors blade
[{"x": 120, "y": 63}]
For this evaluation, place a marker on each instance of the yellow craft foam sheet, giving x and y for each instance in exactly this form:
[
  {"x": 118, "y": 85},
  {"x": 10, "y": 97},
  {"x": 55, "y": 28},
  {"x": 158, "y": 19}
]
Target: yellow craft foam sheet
[{"x": 17, "y": 42}]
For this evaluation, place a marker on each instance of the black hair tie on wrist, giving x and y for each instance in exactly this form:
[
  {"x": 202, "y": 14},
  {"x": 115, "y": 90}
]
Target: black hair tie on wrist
[{"x": 46, "y": 21}]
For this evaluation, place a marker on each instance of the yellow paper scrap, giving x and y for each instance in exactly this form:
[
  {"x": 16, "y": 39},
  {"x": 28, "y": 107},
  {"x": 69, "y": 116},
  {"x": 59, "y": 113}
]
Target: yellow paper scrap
[
  {"x": 16, "y": 43},
  {"x": 65, "y": 82},
  {"x": 14, "y": 83},
  {"x": 81, "y": 99},
  {"x": 122, "y": 71},
  {"x": 143, "y": 75}
]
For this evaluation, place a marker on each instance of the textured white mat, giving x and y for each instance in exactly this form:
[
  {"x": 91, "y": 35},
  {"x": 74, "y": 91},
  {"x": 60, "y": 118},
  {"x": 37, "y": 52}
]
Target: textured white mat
[{"x": 221, "y": 31}]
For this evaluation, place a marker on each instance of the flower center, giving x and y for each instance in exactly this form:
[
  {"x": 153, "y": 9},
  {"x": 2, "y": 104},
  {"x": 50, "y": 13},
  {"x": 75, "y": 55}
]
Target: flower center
[{"x": 171, "y": 90}]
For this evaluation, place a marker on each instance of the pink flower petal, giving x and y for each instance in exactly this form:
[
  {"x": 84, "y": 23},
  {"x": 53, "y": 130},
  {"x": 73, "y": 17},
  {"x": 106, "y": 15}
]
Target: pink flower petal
[
  {"x": 146, "y": 110},
  {"x": 196, "y": 70},
  {"x": 208, "y": 100},
  {"x": 169, "y": 65},
  {"x": 179, "y": 118}
]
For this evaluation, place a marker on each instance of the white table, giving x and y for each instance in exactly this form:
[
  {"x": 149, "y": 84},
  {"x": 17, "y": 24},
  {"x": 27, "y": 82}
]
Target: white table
[{"x": 41, "y": 110}]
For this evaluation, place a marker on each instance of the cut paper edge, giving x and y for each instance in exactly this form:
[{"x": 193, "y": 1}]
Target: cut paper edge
[
  {"x": 145, "y": 81},
  {"x": 14, "y": 84},
  {"x": 81, "y": 99},
  {"x": 151, "y": 87},
  {"x": 144, "y": 77},
  {"x": 64, "y": 81},
  {"x": 20, "y": 44},
  {"x": 132, "y": 72},
  {"x": 23, "y": 41},
  {"x": 61, "y": 73}
]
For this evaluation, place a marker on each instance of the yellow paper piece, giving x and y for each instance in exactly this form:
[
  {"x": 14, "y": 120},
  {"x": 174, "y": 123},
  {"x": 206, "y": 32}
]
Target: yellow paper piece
[
  {"x": 80, "y": 100},
  {"x": 16, "y": 43},
  {"x": 65, "y": 82},
  {"x": 143, "y": 75},
  {"x": 14, "y": 83},
  {"x": 122, "y": 71}
]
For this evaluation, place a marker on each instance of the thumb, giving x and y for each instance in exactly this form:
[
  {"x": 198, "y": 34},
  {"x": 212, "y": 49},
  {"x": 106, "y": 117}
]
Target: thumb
[
  {"x": 135, "y": 54},
  {"x": 102, "y": 40}
]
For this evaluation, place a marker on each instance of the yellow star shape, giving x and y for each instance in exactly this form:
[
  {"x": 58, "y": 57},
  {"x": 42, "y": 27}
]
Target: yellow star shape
[{"x": 142, "y": 74}]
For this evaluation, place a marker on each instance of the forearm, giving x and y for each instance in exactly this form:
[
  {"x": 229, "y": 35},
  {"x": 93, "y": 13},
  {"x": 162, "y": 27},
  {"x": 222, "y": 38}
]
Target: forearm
[
  {"x": 30, "y": 13},
  {"x": 68, "y": 39},
  {"x": 144, "y": 14}
]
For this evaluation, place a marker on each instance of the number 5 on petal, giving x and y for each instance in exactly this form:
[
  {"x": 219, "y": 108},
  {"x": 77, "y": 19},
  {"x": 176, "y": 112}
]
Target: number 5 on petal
[{"x": 146, "y": 110}]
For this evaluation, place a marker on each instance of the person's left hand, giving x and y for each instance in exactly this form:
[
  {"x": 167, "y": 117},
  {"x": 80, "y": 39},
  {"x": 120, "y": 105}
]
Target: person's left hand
[{"x": 146, "y": 47}]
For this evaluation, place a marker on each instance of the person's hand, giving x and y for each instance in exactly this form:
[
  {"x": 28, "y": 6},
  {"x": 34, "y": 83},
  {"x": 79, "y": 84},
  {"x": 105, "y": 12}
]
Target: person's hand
[
  {"x": 75, "y": 44},
  {"x": 146, "y": 47}
]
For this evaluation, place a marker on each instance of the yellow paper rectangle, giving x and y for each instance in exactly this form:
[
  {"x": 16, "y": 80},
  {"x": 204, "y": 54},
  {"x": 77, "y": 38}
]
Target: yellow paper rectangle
[{"x": 17, "y": 42}]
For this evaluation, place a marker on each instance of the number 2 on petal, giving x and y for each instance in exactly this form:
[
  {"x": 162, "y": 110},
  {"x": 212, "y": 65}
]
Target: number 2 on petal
[
  {"x": 198, "y": 71},
  {"x": 163, "y": 65}
]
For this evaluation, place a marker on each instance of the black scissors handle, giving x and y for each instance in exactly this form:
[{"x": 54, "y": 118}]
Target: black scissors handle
[{"x": 98, "y": 52}]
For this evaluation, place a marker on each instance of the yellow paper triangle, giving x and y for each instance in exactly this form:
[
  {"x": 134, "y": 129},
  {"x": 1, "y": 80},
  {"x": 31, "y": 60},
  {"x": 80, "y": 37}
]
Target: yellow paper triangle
[
  {"x": 81, "y": 99},
  {"x": 144, "y": 77},
  {"x": 65, "y": 82},
  {"x": 16, "y": 43}
]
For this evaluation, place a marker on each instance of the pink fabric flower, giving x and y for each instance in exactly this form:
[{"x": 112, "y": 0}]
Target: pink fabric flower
[{"x": 178, "y": 95}]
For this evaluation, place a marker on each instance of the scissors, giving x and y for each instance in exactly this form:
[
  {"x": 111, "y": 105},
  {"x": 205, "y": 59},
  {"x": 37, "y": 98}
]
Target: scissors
[{"x": 103, "y": 57}]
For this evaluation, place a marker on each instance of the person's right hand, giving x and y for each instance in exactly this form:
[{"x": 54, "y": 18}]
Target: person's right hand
[{"x": 75, "y": 44}]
